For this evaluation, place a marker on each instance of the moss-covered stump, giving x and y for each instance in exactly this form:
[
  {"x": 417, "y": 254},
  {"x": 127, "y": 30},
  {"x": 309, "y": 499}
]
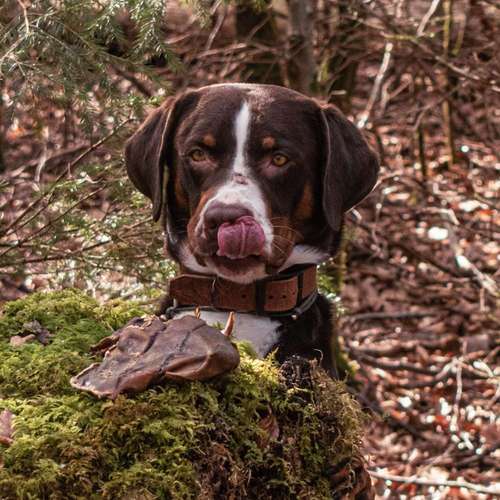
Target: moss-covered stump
[{"x": 250, "y": 434}]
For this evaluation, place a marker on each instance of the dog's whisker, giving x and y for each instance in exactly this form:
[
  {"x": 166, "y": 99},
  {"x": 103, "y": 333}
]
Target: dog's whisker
[
  {"x": 281, "y": 236},
  {"x": 288, "y": 228},
  {"x": 287, "y": 240},
  {"x": 275, "y": 245}
]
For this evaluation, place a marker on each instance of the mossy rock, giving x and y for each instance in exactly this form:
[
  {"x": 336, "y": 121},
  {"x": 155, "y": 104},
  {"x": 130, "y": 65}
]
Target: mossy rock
[{"x": 249, "y": 434}]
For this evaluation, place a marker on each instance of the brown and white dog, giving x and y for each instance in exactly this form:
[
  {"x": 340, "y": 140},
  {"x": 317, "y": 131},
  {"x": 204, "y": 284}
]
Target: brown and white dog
[{"x": 253, "y": 180}]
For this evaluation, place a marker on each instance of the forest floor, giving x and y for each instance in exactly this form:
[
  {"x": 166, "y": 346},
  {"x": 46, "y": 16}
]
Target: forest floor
[
  {"x": 422, "y": 322},
  {"x": 420, "y": 316}
]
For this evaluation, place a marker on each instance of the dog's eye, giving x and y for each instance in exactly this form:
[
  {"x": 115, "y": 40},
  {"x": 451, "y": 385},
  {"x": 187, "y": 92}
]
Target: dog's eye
[
  {"x": 197, "y": 155},
  {"x": 279, "y": 160}
]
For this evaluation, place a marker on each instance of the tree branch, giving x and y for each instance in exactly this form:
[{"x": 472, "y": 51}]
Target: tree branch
[{"x": 430, "y": 482}]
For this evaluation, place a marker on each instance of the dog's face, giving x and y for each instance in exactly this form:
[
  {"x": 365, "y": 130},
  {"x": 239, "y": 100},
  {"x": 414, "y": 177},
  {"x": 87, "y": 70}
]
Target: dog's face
[{"x": 251, "y": 178}]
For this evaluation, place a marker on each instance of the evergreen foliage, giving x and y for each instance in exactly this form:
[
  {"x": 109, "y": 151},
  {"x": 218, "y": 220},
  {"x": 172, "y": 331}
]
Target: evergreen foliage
[
  {"x": 68, "y": 59},
  {"x": 69, "y": 52}
]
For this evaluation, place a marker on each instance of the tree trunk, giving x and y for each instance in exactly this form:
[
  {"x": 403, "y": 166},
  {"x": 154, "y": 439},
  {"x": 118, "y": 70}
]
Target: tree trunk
[
  {"x": 448, "y": 86},
  {"x": 301, "y": 66},
  {"x": 343, "y": 64},
  {"x": 3, "y": 167},
  {"x": 260, "y": 27}
]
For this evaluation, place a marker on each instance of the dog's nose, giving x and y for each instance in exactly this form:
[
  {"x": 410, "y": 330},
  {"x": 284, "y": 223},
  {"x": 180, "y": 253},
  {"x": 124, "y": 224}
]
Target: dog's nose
[{"x": 218, "y": 213}]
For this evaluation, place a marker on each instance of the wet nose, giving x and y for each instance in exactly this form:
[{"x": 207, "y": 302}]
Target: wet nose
[{"x": 219, "y": 213}]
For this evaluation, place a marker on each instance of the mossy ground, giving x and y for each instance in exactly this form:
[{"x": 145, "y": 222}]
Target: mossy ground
[{"x": 193, "y": 440}]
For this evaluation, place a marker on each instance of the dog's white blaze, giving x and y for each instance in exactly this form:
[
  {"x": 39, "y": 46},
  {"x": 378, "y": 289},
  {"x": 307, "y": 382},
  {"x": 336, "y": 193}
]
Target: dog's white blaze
[
  {"x": 241, "y": 131},
  {"x": 260, "y": 331},
  {"x": 246, "y": 194}
]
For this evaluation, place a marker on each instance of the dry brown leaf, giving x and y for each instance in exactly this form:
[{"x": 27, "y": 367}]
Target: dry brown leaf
[
  {"x": 6, "y": 427},
  {"x": 269, "y": 424}
]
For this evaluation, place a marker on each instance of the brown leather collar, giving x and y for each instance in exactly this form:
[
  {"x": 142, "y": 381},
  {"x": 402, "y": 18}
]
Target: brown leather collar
[{"x": 289, "y": 293}]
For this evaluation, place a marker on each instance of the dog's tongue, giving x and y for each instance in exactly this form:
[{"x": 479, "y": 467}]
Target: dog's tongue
[{"x": 240, "y": 239}]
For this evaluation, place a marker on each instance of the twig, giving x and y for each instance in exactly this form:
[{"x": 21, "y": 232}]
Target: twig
[
  {"x": 75, "y": 162},
  {"x": 459, "y": 71},
  {"x": 394, "y": 34},
  {"x": 378, "y": 83},
  {"x": 25, "y": 15},
  {"x": 47, "y": 225},
  {"x": 140, "y": 86},
  {"x": 388, "y": 366},
  {"x": 486, "y": 282},
  {"x": 430, "y": 482},
  {"x": 427, "y": 17},
  {"x": 458, "y": 397},
  {"x": 221, "y": 16},
  {"x": 408, "y": 346},
  {"x": 391, "y": 420},
  {"x": 98, "y": 143},
  {"x": 69, "y": 255},
  {"x": 426, "y": 258},
  {"x": 55, "y": 156},
  {"x": 487, "y": 450},
  {"x": 396, "y": 315},
  {"x": 414, "y": 253},
  {"x": 444, "y": 374}
]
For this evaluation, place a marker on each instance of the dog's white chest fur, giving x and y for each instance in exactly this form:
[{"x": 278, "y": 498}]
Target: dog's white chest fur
[{"x": 260, "y": 331}]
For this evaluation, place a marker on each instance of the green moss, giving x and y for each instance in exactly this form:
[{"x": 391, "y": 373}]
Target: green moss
[
  {"x": 181, "y": 441},
  {"x": 76, "y": 321}
]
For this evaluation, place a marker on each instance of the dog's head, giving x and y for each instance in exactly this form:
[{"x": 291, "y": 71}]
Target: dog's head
[{"x": 251, "y": 179}]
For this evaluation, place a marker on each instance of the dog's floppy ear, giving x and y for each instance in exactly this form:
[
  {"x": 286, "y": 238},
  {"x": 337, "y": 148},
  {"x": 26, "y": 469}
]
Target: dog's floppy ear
[
  {"x": 147, "y": 150},
  {"x": 351, "y": 167}
]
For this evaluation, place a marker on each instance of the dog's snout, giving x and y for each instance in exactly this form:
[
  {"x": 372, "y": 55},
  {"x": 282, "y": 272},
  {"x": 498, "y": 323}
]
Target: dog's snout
[
  {"x": 240, "y": 179},
  {"x": 219, "y": 213}
]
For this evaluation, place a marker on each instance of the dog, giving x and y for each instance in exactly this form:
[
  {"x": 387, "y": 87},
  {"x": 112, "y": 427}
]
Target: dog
[{"x": 251, "y": 183}]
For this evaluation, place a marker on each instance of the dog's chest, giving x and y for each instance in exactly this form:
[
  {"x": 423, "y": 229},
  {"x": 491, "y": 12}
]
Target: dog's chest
[{"x": 263, "y": 333}]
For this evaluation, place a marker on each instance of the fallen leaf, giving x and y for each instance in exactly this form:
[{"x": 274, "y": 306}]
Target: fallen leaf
[
  {"x": 17, "y": 340},
  {"x": 475, "y": 343},
  {"x": 269, "y": 425},
  {"x": 35, "y": 328},
  {"x": 6, "y": 427}
]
